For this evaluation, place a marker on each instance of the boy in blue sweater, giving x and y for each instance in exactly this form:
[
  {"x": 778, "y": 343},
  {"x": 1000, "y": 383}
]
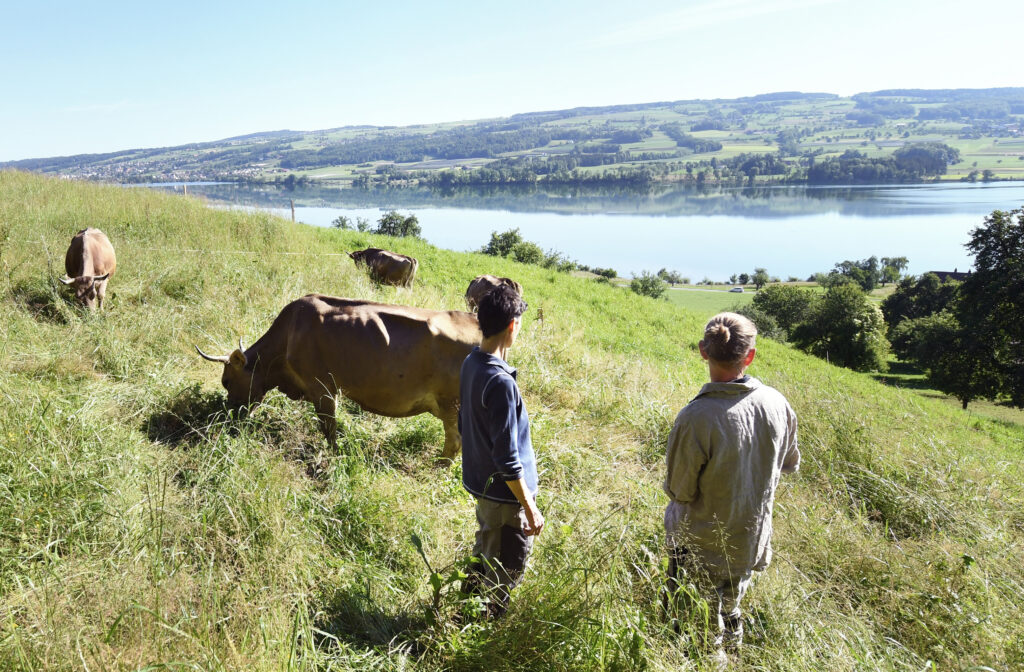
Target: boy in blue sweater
[{"x": 498, "y": 464}]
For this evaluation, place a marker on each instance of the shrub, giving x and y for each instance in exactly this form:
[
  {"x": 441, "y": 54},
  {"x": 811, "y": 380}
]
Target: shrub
[
  {"x": 648, "y": 284},
  {"x": 765, "y": 323},
  {"x": 528, "y": 253},
  {"x": 501, "y": 244}
]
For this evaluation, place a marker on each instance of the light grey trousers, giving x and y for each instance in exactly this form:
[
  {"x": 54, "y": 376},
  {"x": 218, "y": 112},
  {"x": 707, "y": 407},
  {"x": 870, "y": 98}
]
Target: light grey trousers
[{"x": 687, "y": 586}]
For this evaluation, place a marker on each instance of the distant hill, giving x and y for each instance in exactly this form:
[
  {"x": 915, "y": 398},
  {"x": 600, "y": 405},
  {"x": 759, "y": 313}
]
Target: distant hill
[{"x": 762, "y": 138}]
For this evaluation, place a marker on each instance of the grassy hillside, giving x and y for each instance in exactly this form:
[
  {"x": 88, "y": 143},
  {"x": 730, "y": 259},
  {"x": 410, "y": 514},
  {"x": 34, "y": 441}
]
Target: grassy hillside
[
  {"x": 142, "y": 528},
  {"x": 986, "y": 126}
]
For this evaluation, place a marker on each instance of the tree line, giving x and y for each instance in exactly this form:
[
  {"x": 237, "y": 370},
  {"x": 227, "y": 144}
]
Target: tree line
[
  {"x": 967, "y": 336},
  {"x": 910, "y": 163}
]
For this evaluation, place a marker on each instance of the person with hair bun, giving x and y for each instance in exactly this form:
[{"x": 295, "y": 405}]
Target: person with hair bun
[{"x": 726, "y": 452}]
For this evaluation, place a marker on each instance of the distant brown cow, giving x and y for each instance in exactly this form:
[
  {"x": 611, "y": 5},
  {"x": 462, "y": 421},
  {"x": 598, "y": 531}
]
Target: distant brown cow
[
  {"x": 482, "y": 284},
  {"x": 89, "y": 263},
  {"x": 396, "y": 361},
  {"x": 387, "y": 267}
]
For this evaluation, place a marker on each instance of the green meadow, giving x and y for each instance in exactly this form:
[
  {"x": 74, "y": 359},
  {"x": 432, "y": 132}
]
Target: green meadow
[
  {"x": 142, "y": 527},
  {"x": 706, "y": 302}
]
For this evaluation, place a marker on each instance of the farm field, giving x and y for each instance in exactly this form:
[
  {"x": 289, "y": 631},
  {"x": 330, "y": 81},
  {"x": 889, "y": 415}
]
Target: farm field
[
  {"x": 143, "y": 527},
  {"x": 707, "y": 302},
  {"x": 610, "y": 143}
]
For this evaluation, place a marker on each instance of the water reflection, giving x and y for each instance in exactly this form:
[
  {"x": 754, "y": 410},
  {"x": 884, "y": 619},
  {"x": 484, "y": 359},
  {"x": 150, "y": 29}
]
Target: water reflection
[
  {"x": 758, "y": 202},
  {"x": 790, "y": 230}
]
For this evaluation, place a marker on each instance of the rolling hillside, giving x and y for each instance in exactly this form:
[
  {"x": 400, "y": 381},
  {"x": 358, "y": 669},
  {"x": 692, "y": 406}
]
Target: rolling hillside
[
  {"x": 684, "y": 140},
  {"x": 142, "y": 528}
]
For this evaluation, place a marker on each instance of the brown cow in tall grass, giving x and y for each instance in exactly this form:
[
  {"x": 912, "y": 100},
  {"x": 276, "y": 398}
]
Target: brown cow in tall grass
[
  {"x": 89, "y": 263},
  {"x": 396, "y": 361}
]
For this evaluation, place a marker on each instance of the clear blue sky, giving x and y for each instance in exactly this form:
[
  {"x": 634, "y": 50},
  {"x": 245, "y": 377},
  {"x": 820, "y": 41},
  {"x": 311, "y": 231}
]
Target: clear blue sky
[{"x": 81, "y": 77}]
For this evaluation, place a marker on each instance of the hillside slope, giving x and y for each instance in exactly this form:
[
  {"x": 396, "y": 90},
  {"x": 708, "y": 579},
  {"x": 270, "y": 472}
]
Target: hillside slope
[
  {"x": 697, "y": 141},
  {"x": 139, "y": 526}
]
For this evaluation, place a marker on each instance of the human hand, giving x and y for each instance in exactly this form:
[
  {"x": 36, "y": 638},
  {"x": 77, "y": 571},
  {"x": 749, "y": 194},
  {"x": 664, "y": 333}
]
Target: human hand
[{"x": 534, "y": 520}]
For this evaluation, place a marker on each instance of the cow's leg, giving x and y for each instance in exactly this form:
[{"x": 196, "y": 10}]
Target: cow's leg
[
  {"x": 325, "y": 410},
  {"x": 452, "y": 438},
  {"x": 101, "y": 293}
]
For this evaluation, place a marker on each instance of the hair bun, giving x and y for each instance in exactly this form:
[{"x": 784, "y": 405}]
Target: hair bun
[
  {"x": 720, "y": 332},
  {"x": 728, "y": 337}
]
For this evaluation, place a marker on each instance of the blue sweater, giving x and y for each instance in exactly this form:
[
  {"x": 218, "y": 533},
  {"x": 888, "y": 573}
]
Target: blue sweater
[{"x": 495, "y": 429}]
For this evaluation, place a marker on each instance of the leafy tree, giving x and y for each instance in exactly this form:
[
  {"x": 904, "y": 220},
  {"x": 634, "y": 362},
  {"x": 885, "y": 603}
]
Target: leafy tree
[
  {"x": 787, "y": 305},
  {"x": 394, "y": 224},
  {"x": 671, "y": 277},
  {"x": 955, "y": 362},
  {"x": 528, "y": 253},
  {"x": 744, "y": 279},
  {"x": 765, "y": 323},
  {"x": 648, "y": 284},
  {"x": 362, "y": 224},
  {"x": 732, "y": 279},
  {"x": 864, "y": 272},
  {"x": 760, "y": 278},
  {"x": 892, "y": 267},
  {"x": 342, "y": 222},
  {"x": 926, "y": 158},
  {"x": 501, "y": 244},
  {"x": 992, "y": 301},
  {"x": 918, "y": 297},
  {"x": 845, "y": 328}
]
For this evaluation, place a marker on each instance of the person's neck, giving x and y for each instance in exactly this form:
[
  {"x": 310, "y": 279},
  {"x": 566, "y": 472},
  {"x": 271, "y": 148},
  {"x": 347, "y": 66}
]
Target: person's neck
[
  {"x": 720, "y": 374},
  {"x": 496, "y": 345}
]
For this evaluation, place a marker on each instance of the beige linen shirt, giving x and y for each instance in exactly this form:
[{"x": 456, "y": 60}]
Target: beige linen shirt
[{"x": 726, "y": 453}]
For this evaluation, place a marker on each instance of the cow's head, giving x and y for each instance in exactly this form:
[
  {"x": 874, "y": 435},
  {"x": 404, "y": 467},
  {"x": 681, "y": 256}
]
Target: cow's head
[
  {"x": 359, "y": 256},
  {"x": 85, "y": 288},
  {"x": 244, "y": 387}
]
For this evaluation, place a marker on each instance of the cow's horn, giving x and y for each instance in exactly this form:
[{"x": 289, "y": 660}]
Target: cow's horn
[
  {"x": 66, "y": 280},
  {"x": 222, "y": 359},
  {"x": 98, "y": 278},
  {"x": 240, "y": 345}
]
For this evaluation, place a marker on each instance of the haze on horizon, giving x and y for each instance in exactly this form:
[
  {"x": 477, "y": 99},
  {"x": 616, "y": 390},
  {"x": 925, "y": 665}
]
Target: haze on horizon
[{"x": 120, "y": 75}]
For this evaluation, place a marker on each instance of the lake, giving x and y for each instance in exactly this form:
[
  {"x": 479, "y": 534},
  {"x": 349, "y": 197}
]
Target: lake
[{"x": 706, "y": 233}]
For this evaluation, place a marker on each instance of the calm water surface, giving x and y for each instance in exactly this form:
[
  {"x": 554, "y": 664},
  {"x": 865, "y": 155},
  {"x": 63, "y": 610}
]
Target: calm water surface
[{"x": 791, "y": 231}]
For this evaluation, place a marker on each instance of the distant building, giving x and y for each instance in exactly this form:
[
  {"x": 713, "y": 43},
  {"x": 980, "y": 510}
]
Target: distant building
[{"x": 951, "y": 275}]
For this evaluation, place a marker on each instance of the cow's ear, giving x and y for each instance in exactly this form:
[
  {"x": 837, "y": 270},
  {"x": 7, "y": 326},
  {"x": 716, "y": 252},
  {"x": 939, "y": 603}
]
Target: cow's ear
[{"x": 237, "y": 359}]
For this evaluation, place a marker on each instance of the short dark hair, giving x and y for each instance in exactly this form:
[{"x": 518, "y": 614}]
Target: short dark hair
[{"x": 499, "y": 306}]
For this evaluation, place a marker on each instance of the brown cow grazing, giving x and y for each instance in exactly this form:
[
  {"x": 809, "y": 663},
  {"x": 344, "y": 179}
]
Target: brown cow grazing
[
  {"x": 482, "y": 284},
  {"x": 89, "y": 263},
  {"x": 387, "y": 267},
  {"x": 396, "y": 361}
]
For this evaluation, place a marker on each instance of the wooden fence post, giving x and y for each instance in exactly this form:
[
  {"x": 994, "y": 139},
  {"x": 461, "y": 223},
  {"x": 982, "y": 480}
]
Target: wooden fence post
[{"x": 292, "y": 201}]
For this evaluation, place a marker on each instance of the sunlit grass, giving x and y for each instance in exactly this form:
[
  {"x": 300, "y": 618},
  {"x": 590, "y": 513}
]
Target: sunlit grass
[{"x": 144, "y": 526}]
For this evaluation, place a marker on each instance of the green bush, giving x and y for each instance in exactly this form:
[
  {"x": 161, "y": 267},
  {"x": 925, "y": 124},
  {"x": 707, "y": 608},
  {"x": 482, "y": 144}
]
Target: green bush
[{"x": 648, "y": 284}]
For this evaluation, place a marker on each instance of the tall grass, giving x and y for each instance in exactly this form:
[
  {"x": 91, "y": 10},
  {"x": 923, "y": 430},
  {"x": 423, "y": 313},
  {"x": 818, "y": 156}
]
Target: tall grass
[{"x": 143, "y": 526}]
